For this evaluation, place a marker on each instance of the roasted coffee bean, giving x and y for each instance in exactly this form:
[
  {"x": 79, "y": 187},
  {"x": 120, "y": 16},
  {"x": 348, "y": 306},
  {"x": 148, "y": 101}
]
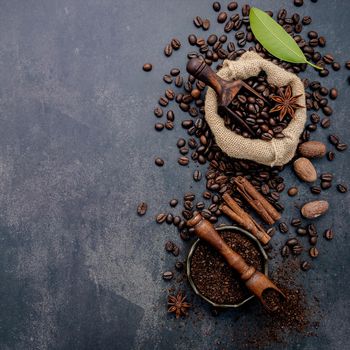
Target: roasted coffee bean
[
  {"x": 295, "y": 222},
  {"x": 158, "y": 112},
  {"x": 327, "y": 110},
  {"x": 178, "y": 81},
  {"x": 200, "y": 205},
  {"x": 188, "y": 205},
  {"x": 173, "y": 203},
  {"x": 197, "y": 21},
  {"x": 333, "y": 93},
  {"x": 326, "y": 176},
  {"x": 347, "y": 65},
  {"x": 147, "y": 67},
  {"x": 183, "y": 160},
  {"x": 174, "y": 72},
  {"x": 161, "y": 218},
  {"x": 192, "y": 39},
  {"x": 301, "y": 231},
  {"x": 184, "y": 150},
  {"x": 159, "y": 126},
  {"x": 297, "y": 249},
  {"x": 180, "y": 142},
  {"x": 298, "y": 3},
  {"x": 313, "y": 240},
  {"x": 168, "y": 275},
  {"x": 206, "y": 24},
  {"x": 189, "y": 196},
  {"x": 169, "y": 219},
  {"x": 232, "y": 6},
  {"x": 329, "y": 234},
  {"x": 283, "y": 227},
  {"x": 312, "y": 230},
  {"x": 159, "y": 161},
  {"x": 315, "y": 190},
  {"x": 305, "y": 266},
  {"x": 168, "y": 50},
  {"x": 313, "y": 252},
  {"x": 142, "y": 208},
  {"x": 169, "y": 246},
  {"x": 342, "y": 188},
  {"x": 291, "y": 242},
  {"x": 336, "y": 66},
  {"x": 223, "y": 38},
  {"x": 341, "y": 146},
  {"x": 175, "y": 43},
  {"x": 306, "y": 20},
  {"x": 285, "y": 251},
  {"x": 271, "y": 231},
  {"x": 197, "y": 175},
  {"x": 206, "y": 195},
  {"x": 163, "y": 101},
  {"x": 169, "y": 94},
  {"x": 216, "y": 6},
  {"x": 293, "y": 191},
  {"x": 315, "y": 118},
  {"x": 325, "y": 122},
  {"x": 179, "y": 265},
  {"x": 212, "y": 39},
  {"x": 170, "y": 115},
  {"x": 325, "y": 185},
  {"x": 186, "y": 124},
  {"x": 328, "y": 58},
  {"x": 330, "y": 155},
  {"x": 222, "y": 16},
  {"x": 167, "y": 78},
  {"x": 333, "y": 139}
]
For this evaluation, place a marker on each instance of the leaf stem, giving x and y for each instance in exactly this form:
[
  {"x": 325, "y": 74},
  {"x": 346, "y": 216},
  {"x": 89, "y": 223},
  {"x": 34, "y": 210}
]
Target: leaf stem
[{"x": 313, "y": 65}]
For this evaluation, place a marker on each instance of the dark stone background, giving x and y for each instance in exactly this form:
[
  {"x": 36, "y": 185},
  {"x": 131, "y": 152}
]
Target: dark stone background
[{"x": 79, "y": 269}]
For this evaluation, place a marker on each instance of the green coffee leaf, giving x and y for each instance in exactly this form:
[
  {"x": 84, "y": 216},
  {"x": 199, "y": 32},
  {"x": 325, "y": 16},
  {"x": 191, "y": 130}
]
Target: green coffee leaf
[{"x": 275, "y": 39}]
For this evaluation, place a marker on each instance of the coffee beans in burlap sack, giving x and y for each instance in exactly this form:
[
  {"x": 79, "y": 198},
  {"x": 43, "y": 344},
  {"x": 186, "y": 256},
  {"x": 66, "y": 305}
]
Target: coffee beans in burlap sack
[{"x": 275, "y": 152}]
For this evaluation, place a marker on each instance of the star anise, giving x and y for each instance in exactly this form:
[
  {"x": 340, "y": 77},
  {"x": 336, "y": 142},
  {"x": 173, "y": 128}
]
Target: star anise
[
  {"x": 177, "y": 304},
  {"x": 286, "y": 103}
]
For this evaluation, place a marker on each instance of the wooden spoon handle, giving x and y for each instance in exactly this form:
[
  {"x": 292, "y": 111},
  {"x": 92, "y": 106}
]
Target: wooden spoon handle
[
  {"x": 206, "y": 231},
  {"x": 200, "y": 70}
]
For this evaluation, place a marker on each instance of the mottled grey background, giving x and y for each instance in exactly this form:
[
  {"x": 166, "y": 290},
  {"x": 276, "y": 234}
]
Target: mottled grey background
[{"x": 78, "y": 268}]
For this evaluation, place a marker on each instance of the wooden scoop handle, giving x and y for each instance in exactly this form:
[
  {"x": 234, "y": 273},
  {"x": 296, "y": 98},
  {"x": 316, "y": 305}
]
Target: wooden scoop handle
[
  {"x": 200, "y": 70},
  {"x": 206, "y": 231}
]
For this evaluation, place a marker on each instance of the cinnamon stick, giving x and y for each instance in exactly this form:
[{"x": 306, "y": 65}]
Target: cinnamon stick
[
  {"x": 266, "y": 211},
  {"x": 242, "y": 218}
]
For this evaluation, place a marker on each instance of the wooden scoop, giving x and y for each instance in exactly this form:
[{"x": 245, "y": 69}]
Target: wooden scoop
[
  {"x": 256, "y": 282},
  {"x": 226, "y": 90}
]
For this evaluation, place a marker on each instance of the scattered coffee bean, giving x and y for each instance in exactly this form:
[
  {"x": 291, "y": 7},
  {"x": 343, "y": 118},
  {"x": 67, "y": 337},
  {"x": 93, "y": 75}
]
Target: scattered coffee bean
[
  {"x": 158, "y": 112},
  {"x": 222, "y": 17},
  {"x": 176, "y": 250},
  {"x": 297, "y": 249},
  {"x": 342, "y": 188},
  {"x": 283, "y": 227},
  {"x": 291, "y": 242},
  {"x": 315, "y": 190},
  {"x": 197, "y": 21},
  {"x": 341, "y": 146},
  {"x": 175, "y": 43},
  {"x": 325, "y": 185},
  {"x": 347, "y": 65},
  {"x": 183, "y": 160},
  {"x": 147, "y": 67},
  {"x": 285, "y": 251},
  {"x": 159, "y": 161},
  {"x": 295, "y": 222},
  {"x": 168, "y": 50},
  {"x": 330, "y": 155},
  {"x": 313, "y": 240},
  {"x": 161, "y": 218},
  {"x": 333, "y": 139},
  {"x": 313, "y": 252},
  {"x": 159, "y": 126},
  {"x": 167, "y": 79},
  {"x": 142, "y": 209},
  {"x": 232, "y": 6},
  {"x": 216, "y": 6},
  {"x": 169, "y": 246},
  {"x": 168, "y": 275},
  {"x": 169, "y": 219},
  {"x": 179, "y": 265},
  {"x": 301, "y": 231},
  {"x": 197, "y": 175},
  {"x": 305, "y": 266},
  {"x": 329, "y": 234}
]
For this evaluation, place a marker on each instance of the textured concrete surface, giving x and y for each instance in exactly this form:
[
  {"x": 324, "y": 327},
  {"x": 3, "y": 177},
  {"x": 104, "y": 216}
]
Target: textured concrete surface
[{"x": 78, "y": 268}]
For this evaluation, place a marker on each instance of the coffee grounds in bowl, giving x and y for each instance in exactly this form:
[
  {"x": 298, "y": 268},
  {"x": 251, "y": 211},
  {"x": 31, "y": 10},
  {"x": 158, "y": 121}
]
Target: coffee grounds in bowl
[{"x": 213, "y": 277}]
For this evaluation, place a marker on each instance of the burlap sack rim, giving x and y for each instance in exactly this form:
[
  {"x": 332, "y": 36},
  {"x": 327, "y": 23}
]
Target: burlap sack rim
[{"x": 274, "y": 152}]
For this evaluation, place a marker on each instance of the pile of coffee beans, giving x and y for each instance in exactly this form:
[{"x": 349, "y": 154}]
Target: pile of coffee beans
[{"x": 255, "y": 112}]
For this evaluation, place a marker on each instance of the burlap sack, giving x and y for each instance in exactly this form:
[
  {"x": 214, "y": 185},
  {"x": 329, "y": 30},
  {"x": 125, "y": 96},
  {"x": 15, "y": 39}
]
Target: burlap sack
[{"x": 276, "y": 151}]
